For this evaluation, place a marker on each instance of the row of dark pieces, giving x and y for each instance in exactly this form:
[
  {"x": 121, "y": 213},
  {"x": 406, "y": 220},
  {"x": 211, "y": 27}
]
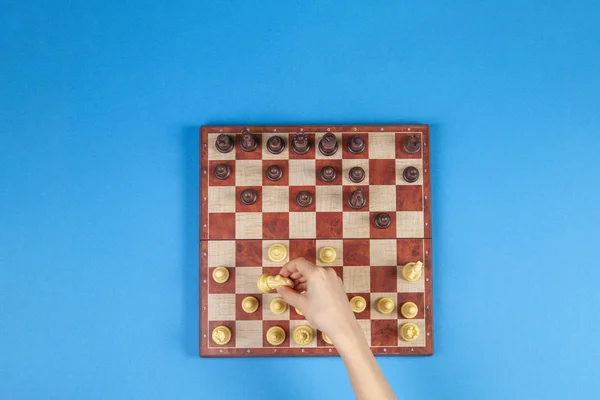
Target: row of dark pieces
[
  {"x": 328, "y": 145},
  {"x": 327, "y": 174}
]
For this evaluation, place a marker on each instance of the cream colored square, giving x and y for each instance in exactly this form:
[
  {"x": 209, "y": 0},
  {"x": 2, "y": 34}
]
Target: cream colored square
[
  {"x": 221, "y": 307},
  {"x": 365, "y": 326},
  {"x": 409, "y": 224},
  {"x": 221, "y": 199},
  {"x": 248, "y": 334},
  {"x": 329, "y": 198},
  {"x": 383, "y": 252},
  {"x": 357, "y": 279},
  {"x": 275, "y": 199},
  {"x": 302, "y": 172},
  {"x": 420, "y": 341},
  {"x": 268, "y": 243},
  {"x": 405, "y": 286},
  {"x": 375, "y": 314},
  {"x": 348, "y": 164},
  {"x": 214, "y": 154},
  {"x": 284, "y": 155},
  {"x": 338, "y": 153},
  {"x": 296, "y": 323},
  {"x": 248, "y": 173},
  {"x": 356, "y": 225},
  {"x": 267, "y": 313},
  {"x": 221, "y": 253},
  {"x": 382, "y": 145},
  {"x": 339, "y": 250},
  {"x": 382, "y": 198},
  {"x": 248, "y": 225},
  {"x": 246, "y": 279},
  {"x": 303, "y": 225},
  {"x": 408, "y": 162}
]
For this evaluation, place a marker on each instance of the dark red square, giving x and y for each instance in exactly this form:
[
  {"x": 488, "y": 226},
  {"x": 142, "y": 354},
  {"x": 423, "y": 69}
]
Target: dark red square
[
  {"x": 346, "y": 190},
  {"x": 346, "y": 153},
  {"x": 276, "y": 225},
  {"x": 213, "y": 181},
  {"x": 409, "y": 250},
  {"x": 225, "y": 287},
  {"x": 285, "y": 325},
  {"x": 366, "y": 314},
  {"x": 383, "y": 233},
  {"x": 294, "y": 207},
  {"x": 213, "y": 324},
  {"x": 310, "y": 155},
  {"x": 417, "y": 298},
  {"x": 320, "y": 341},
  {"x": 285, "y": 169},
  {"x": 383, "y": 279},
  {"x": 329, "y": 225},
  {"x": 382, "y": 172},
  {"x": 240, "y": 314},
  {"x": 241, "y": 207},
  {"x": 337, "y": 164},
  {"x": 255, "y": 154},
  {"x": 384, "y": 332},
  {"x": 304, "y": 248},
  {"x": 339, "y": 271},
  {"x": 357, "y": 252},
  {"x": 294, "y": 314},
  {"x": 271, "y": 270},
  {"x": 221, "y": 225},
  {"x": 400, "y": 153},
  {"x": 409, "y": 198},
  {"x": 248, "y": 253}
]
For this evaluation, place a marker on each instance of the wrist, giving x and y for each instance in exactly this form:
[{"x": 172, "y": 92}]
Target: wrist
[{"x": 349, "y": 338}]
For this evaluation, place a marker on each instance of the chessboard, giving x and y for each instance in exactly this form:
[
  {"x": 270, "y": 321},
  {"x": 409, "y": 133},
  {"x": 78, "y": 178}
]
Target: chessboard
[{"x": 363, "y": 191}]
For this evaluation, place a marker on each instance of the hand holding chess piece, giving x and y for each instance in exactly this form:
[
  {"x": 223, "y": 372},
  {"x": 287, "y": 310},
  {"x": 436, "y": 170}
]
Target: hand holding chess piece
[{"x": 266, "y": 283}]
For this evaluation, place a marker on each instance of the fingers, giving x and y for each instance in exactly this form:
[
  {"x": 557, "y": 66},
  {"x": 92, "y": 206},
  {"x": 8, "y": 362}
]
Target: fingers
[
  {"x": 292, "y": 297},
  {"x": 301, "y": 287},
  {"x": 299, "y": 265}
]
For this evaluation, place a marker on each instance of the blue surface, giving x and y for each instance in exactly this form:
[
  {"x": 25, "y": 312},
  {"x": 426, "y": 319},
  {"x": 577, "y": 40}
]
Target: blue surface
[{"x": 100, "y": 106}]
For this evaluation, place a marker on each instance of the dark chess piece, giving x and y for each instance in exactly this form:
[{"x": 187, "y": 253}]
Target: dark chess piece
[
  {"x": 327, "y": 173},
  {"x": 300, "y": 144},
  {"x": 274, "y": 173},
  {"x": 356, "y": 174},
  {"x": 224, "y": 143},
  {"x": 275, "y": 145},
  {"x": 412, "y": 144},
  {"x": 383, "y": 220},
  {"x": 356, "y": 145},
  {"x": 304, "y": 199},
  {"x": 410, "y": 174},
  {"x": 222, "y": 171},
  {"x": 357, "y": 199},
  {"x": 328, "y": 144},
  {"x": 248, "y": 196},
  {"x": 249, "y": 141}
]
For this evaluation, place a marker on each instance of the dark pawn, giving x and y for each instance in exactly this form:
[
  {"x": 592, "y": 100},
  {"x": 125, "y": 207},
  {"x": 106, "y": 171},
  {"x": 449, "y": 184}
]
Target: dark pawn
[
  {"x": 383, "y": 221},
  {"x": 328, "y": 174},
  {"x": 300, "y": 144},
  {"x": 275, "y": 145},
  {"x": 249, "y": 142},
  {"x": 224, "y": 143},
  {"x": 328, "y": 144},
  {"x": 304, "y": 199},
  {"x": 356, "y": 145},
  {"x": 412, "y": 144},
  {"x": 356, "y": 174},
  {"x": 274, "y": 173},
  {"x": 248, "y": 197},
  {"x": 222, "y": 171},
  {"x": 357, "y": 199},
  {"x": 410, "y": 174}
]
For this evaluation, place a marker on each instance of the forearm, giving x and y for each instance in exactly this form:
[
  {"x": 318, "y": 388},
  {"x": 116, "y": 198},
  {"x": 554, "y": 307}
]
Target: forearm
[{"x": 365, "y": 375}]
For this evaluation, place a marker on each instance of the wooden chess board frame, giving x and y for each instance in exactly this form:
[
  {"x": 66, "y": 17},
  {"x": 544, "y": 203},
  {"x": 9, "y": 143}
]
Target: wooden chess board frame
[{"x": 221, "y": 246}]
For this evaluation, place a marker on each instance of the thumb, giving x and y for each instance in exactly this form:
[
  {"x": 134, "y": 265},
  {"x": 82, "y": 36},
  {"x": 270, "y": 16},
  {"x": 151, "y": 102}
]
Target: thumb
[{"x": 292, "y": 297}]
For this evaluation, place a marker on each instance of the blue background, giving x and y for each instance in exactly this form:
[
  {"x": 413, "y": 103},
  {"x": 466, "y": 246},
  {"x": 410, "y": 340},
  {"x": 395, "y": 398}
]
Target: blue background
[{"x": 100, "y": 105}]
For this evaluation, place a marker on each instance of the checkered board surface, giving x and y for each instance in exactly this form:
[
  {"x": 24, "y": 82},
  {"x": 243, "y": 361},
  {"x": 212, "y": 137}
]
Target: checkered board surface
[{"x": 369, "y": 260}]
